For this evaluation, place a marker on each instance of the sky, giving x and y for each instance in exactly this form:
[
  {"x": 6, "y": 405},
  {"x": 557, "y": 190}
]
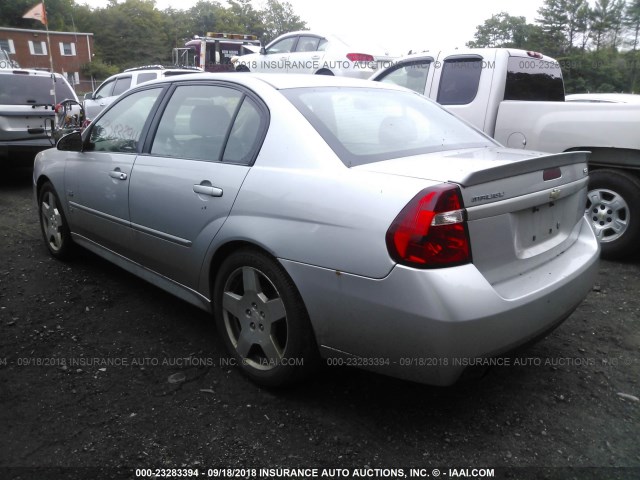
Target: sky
[{"x": 397, "y": 25}]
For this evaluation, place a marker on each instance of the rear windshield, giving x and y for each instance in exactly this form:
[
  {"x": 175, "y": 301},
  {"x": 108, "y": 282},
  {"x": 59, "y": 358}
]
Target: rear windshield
[
  {"x": 23, "y": 89},
  {"x": 534, "y": 79},
  {"x": 366, "y": 125}
]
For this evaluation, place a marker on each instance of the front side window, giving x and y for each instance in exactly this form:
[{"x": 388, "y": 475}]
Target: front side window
[
  {"x": 365, "y": 125},
  {"x": 120, "y": 128},
  {"x": 412, "y": 75},
  {"x": 459, "y": 81},
  {"x": 105, "y": 90},
  {"x": 122, "y": 85},
  {"x": 283, "y": 46}
]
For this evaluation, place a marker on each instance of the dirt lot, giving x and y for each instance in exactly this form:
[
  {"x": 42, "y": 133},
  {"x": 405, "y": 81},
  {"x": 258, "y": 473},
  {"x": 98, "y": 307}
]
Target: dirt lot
[{"x": 88, "y": 354}]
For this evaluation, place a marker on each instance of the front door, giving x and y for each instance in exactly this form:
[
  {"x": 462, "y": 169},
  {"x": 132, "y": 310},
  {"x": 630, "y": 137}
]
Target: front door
[{"x": 97, "y": 179}]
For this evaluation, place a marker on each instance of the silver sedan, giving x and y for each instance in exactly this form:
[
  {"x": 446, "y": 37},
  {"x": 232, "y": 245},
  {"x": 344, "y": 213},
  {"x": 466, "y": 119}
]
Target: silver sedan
[{"x": 326, "y": 218}]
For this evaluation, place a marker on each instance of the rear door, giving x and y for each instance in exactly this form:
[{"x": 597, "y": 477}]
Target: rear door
[
  {"x": 306, "y": 58},
  {"x": 462, "y": 84},
  {"x": 183, "y": 189}
]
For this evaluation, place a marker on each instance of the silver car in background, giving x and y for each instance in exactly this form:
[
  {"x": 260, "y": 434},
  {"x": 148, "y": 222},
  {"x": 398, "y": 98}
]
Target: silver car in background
[{"x": 324, "y": 217}]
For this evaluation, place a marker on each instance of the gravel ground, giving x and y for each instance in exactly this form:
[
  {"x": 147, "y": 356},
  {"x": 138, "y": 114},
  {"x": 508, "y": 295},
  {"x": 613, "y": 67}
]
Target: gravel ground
[{"x": 102, "y": 374}]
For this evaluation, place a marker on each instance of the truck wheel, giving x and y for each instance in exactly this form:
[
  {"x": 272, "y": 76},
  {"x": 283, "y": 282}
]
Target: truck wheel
[
  {"x": 613, "y": 208},
  {"x": 242, "y": 68},
  {"x": 262, "y": 319}
]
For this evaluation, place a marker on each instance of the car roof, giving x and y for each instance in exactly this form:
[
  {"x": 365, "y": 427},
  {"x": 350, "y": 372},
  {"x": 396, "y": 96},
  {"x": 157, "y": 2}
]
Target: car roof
[
  {"x": 153, "y": 69},
  {"x": 280, "y": 81},
  {"x": 434, "y": 53},
  {"x": 30, "y": 71}
]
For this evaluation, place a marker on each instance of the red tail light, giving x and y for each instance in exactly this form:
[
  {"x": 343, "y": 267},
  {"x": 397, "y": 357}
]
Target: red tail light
[
  {"x": 360, "y": 57},
  {"x": 431, "y": 231},
  {"x": 58, "y": 108}
]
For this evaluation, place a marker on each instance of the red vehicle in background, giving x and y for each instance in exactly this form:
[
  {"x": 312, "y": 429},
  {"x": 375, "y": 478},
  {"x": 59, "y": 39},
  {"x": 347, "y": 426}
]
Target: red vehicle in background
[{"x": 213, "y": 52}]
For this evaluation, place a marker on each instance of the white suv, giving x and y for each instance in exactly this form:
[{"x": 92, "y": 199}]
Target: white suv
[
  {"x": 117, "y": 84},
  {"x": 28, "y": 99}
]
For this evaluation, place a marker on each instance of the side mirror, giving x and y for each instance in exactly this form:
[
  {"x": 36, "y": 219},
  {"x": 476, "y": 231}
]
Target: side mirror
[
  {"x": 263, "y": 51},
  {"x": 88, "y": 96},
  {"x": 70, "y": 143}
]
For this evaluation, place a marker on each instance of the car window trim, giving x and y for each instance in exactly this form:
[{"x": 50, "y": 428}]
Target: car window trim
[
  {"x": 408, "y": 63},
  {"x": 265, "y": 115},
  {"x": 145, "y": 129},
  {"x": 459, "y": 58}
]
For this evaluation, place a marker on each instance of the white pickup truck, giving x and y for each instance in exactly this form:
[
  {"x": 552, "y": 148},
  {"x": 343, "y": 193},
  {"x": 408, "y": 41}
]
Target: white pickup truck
[{"x": 517, "y": 97}]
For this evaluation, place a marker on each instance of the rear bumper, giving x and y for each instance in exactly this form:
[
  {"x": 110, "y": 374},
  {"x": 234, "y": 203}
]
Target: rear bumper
[
  {"x": 429, "y": 325},
  {"x": 24, "y": 146}
]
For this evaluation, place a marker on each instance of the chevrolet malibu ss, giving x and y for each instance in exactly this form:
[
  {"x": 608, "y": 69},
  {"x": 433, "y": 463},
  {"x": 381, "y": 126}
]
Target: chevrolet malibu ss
[{"x": 326, "y": 218}]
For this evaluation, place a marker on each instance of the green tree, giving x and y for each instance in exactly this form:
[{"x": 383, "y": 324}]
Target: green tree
[
  {"x": 58, "y": 14},
  {"x": 564, "y": 20},
  {"x": 632, "y": 24},
  {"x": 278, "y": 18},
  {"x": 605, "y": 21},
  {"x": 129, "y": 34},
  {"x": 250, "y": 20},
  {"x": 501, "y": 30}
]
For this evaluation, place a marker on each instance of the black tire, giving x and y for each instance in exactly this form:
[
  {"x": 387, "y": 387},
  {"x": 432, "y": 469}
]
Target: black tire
[
  {"x": 263, "y": 322},
  {"x": 325, "y": 72},
  {"x": 242, "y": 68},
  {"x": 53, "y": 223},
  {"x": 613, "y": 208}
]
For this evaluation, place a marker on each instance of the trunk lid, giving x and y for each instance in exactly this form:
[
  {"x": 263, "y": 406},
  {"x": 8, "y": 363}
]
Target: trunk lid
[{"x": 523, "y": 208}]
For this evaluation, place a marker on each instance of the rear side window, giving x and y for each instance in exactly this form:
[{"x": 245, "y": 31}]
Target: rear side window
[
  {"x": 533, "y": 79},
  {"x": 411, "y": 75},
  {"x": 210, "y": 123},
  {"x": 24, "y": 89},
  {"x": 459, "y": 81},
  {"x": 307, "y": 44}
]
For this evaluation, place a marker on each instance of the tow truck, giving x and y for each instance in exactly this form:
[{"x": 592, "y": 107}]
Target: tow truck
[{"x": 214, "y": 51}]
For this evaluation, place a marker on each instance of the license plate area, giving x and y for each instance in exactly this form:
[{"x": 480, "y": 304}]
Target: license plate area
[{"x": 541, "y": 227}]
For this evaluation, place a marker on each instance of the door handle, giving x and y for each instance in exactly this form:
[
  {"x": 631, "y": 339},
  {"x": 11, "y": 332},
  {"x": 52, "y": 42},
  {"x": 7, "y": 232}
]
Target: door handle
[
  {"x": 118, "y": 175},
  {"x": 207, "y": 190}
]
